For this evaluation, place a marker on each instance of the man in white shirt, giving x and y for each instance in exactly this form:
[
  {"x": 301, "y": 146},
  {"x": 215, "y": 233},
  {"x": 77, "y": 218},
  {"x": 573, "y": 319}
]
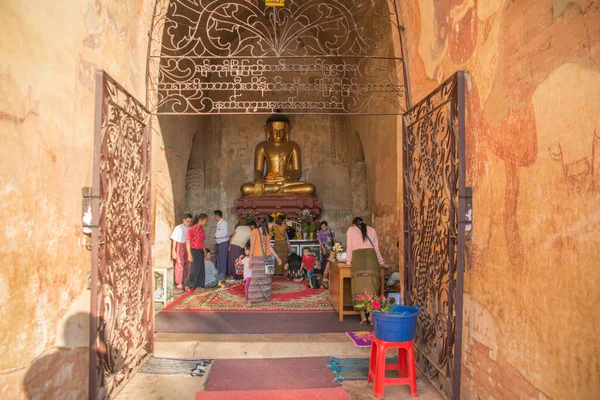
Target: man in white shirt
[
  {"x": 221, "y": 236},
  {"x": 179, "y": 252}
]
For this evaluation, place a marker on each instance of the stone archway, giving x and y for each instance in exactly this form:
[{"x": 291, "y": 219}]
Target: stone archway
[{"x": 330, "y": 146}]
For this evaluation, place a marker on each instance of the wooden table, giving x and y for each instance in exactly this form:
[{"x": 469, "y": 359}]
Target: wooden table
[{"x": 340, "y": 289}]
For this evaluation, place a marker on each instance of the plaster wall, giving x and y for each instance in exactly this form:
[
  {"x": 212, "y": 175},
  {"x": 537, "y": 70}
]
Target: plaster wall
[
  {"x": 379, "y": 135},
  {"x": 531, "y": 320},
  {"x": 173, "y": 145},
  {"x": 50, "y": 51},
  {"x": 532, "y": 134}
]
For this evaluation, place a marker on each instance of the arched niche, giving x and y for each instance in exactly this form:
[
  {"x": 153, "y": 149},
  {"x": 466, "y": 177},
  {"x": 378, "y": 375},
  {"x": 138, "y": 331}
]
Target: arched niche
[{"x": 203, "y": 159}]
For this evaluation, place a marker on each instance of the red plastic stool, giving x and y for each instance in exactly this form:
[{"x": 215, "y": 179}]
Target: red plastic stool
[{"x": 406, "y": 366}]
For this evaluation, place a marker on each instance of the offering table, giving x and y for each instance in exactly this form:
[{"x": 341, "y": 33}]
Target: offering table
[{"x": 340, "y": 289}]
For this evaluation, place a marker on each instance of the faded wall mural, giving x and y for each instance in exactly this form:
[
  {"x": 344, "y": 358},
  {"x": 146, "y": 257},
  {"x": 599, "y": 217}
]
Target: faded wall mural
[
  {"x": 532, "y": 144},
  {"x": 533, "y": 123}
]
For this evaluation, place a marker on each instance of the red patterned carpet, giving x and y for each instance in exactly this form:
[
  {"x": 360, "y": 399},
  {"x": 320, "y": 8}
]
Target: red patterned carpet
[
  {"x": 302, "y": 394},
  {"x": 285, "y": 296}
]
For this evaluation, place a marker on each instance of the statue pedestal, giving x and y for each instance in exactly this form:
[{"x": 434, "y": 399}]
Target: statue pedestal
[{"x": 290, "y": 205}]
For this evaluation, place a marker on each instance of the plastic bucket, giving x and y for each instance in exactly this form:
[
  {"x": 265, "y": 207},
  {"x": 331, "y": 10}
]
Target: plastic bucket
[{"x": 397, "y": 326}]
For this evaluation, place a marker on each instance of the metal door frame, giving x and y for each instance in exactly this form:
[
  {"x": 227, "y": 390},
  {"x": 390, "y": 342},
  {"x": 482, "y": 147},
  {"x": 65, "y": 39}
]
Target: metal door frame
[
  {"x": 134, "y": 109},
  {"x": 449, "y": 94}
]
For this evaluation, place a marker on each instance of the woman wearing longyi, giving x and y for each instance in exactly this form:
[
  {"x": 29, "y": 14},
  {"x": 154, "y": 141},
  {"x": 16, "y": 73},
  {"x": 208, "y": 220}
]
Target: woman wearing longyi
[
  {"x": 195, "y": 252},
  {"x": 364, "y": 256},
  {"x": 326, "y": 241},
  {"x": 261, "y": 254},
  {"x": 282, "y": 245}
]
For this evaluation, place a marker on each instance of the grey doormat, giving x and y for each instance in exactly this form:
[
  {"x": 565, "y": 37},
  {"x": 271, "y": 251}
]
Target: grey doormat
[
  {"x": 355, "y": 369},
  {"x": 173, "y": 366}
]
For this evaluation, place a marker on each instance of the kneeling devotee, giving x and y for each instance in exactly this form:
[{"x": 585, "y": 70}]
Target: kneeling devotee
[
  {"x": 212, "y": 277},
  {"x": 293, "y": 268},
  {"x": 221, "y": 236}
]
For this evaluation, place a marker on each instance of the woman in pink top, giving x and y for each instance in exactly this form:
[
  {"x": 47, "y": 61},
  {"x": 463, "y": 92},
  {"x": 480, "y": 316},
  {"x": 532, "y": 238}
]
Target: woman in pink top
[{"x": 365, "y": 258}]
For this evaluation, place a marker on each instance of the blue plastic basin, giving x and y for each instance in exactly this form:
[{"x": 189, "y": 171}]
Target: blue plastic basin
[{"x": 397, "y": 326}]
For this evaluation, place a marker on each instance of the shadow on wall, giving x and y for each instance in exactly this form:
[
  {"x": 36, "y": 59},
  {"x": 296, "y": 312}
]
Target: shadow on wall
[{"x": 62, "y": 371}]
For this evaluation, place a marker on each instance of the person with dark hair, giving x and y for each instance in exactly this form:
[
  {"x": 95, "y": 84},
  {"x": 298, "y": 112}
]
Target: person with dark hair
[
  {"x": 282, "y": 244},
  {"x": 237, "y": 242},
  {"x": 221, "y": 237},
  {"x": 212, "y": 277},
  {"x": 326, "y": 239},
  {"x": 364, "y": 256},
  {"x": 244, "y": 262},
  {"x": 261, "y": 251},
  {"x": 195, "y": 251},
  {"x": 293, "y": 268},
  {"x": 179, "y": 252}
]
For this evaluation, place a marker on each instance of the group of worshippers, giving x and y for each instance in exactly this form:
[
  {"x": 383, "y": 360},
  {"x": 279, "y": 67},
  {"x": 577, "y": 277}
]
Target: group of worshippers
[{"x": 194, "y": 268}]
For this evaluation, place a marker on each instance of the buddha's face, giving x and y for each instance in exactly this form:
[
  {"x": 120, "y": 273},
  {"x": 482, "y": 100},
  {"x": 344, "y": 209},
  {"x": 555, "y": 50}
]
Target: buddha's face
[{"x": 279, "y": 131}]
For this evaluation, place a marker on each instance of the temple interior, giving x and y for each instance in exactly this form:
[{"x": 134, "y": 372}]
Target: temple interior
[{"x": 465, "y": 133}]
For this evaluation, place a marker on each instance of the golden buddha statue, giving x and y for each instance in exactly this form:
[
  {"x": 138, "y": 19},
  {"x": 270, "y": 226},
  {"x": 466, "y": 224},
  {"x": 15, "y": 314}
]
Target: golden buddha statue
[{"x": 284, "y": 165}]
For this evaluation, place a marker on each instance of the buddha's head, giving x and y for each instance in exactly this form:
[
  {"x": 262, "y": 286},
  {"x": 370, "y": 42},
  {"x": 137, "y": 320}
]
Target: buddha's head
[{"x": 277, "y": 128}]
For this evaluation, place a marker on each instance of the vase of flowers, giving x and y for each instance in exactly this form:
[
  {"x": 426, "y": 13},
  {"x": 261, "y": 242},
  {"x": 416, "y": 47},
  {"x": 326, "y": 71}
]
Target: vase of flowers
[
  {"x": 276, "y": 215},
  {"x": 392, "y": 322},
  {"x": 305, "y": 219},
  {"x": 305, "y": 232},
  {"x": 247, "y": 216},
  {"x": 315, "y": 226},
  {"x": 340, "y": 254}
]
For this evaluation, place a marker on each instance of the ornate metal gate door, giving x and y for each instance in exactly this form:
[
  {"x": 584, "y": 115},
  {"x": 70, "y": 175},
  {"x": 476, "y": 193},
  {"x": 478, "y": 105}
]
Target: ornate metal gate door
[
  {"x": 433, "y": 158},
  {"x": 122, "y": 302}
]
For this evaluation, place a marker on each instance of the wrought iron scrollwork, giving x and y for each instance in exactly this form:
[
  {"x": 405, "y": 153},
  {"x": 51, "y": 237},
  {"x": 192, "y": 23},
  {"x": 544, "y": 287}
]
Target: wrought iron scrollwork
[
  {"x": 433, "y": 176},
  {"x": 123, "y": 286},
  {"x": 239, "y": 56}
]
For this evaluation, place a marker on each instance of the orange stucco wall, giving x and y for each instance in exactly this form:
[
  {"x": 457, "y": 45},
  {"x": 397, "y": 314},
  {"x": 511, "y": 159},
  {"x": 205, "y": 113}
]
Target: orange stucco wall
[
  {"x": 533, "y": 129},
  {"x": 49, "y": 53},
  {"x": 531, "y": 320}
]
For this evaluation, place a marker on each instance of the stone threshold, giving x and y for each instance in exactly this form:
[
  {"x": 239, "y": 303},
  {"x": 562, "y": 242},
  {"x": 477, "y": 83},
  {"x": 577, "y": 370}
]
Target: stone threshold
[{"x": 191, "y": 346}]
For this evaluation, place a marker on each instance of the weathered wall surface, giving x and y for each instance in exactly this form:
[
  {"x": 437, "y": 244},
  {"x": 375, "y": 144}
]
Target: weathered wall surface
[
  {"x": 50, "y": 51},
  {"x": 379, "y": 135},
  {"x": 222, "y": 160},
  {"x": 173, "y": 138},
  {"x": 533, "y": 130}
]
